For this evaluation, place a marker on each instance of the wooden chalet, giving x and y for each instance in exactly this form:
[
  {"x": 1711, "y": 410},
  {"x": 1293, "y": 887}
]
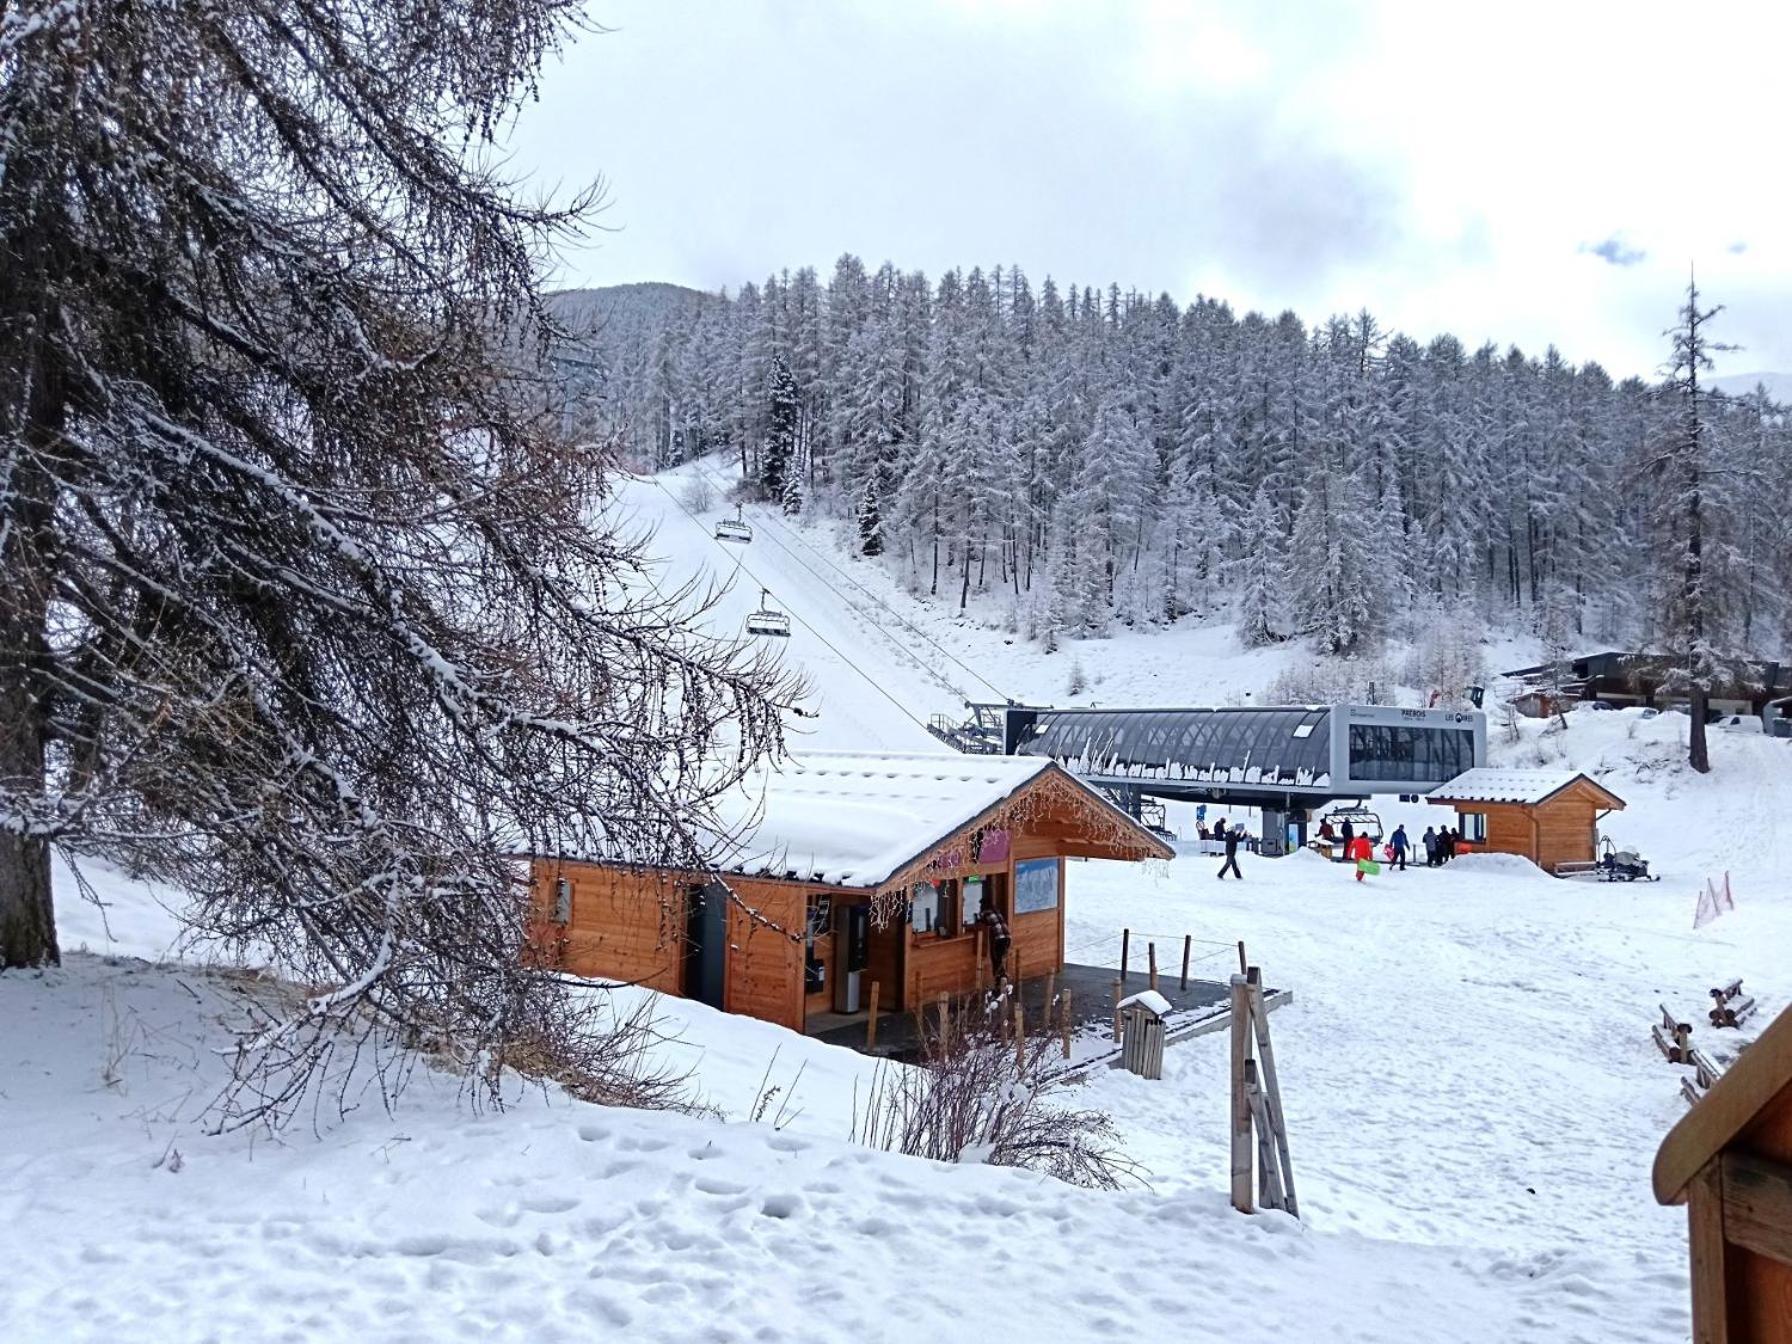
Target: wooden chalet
[
  {"x": 856, "y": 870},
  {"x": 1550, "y": 817},
  {"x": 1729, "y": 1160}
]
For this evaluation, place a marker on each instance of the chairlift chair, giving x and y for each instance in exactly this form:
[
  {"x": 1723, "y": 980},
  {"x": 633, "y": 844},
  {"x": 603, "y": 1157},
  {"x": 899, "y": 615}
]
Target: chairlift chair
[
  {"x": 736, "y": 528},
  {"x": 768, "y": 620}
]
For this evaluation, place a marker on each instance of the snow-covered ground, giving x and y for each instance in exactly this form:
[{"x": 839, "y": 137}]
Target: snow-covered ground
[{"x": 1473, "y": 1102}]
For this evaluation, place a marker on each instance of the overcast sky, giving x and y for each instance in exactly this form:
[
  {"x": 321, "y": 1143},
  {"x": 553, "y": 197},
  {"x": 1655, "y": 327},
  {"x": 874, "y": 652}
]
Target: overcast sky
[{"x": 1527, "y": 173}]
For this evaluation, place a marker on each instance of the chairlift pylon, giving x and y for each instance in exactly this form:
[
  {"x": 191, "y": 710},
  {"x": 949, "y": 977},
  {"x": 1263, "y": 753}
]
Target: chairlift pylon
[
  {"x": 736, "y": 528},
  {"x": 768, "y": 620}
]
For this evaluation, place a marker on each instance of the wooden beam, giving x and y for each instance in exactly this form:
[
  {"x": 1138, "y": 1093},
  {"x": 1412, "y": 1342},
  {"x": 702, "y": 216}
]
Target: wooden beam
[
  {"x": 1241, "y": 1098},
  {"x": 1757, "y": 1204},
  {"x": 1710, "y": 1264}
]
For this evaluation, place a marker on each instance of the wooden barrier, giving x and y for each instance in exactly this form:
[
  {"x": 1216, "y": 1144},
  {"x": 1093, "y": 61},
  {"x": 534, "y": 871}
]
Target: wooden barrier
[
  {"x": 1672, "y": 1036},
  {"x": 1258, "y": 1122},
  {"x": 1730, "y": 1007}
]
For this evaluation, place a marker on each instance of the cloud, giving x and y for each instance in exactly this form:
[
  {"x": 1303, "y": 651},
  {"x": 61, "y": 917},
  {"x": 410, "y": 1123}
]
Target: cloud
[
  {"x": 1615, "y": 250},
  {"x": 1737, "y": 248}
]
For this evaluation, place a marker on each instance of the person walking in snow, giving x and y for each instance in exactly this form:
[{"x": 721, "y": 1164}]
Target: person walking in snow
[
  {"x": 1232, "y": 835},
  {"x": 1362, "y": 850},
  {"x": 999, "y": 940},
  {"x": 1398, "y": 845},
  {"x": 1429, "y": 839}
]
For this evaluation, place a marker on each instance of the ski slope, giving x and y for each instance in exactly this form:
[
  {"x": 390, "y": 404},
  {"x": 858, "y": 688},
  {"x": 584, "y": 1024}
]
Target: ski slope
[{"x": 1473, "y": 1098}]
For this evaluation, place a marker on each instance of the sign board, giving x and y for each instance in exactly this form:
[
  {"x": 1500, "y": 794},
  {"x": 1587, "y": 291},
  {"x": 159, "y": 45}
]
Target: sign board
[{"x": 1035, "y": 885}]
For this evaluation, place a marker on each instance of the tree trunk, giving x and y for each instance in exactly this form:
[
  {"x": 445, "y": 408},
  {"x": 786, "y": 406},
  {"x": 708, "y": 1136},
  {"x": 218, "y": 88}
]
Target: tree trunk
[
  {"x": 1699, "y": 755},
  {"x": 27, "y": 915}
]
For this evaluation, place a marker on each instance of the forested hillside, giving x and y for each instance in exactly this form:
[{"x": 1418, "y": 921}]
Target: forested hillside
[{"x": 1089, "y": 456}]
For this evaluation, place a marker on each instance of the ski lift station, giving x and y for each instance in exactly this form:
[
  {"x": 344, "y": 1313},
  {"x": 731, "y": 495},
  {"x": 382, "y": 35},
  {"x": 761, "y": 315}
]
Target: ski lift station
[{"x": 1287, "y": 760}]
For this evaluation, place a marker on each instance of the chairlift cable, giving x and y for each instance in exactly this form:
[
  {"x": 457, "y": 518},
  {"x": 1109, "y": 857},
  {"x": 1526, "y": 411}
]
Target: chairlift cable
[
  {"x": 888, "y": 610},
  {"x": 741, "y": 565}
]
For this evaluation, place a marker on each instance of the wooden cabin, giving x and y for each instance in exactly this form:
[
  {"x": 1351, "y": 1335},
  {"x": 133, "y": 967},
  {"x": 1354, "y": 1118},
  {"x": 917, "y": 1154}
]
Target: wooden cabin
[
  {"x": 1729, "y": 1160},
  {"x": 853, "y": 870},
  {"x": 1550, "y": 817}
]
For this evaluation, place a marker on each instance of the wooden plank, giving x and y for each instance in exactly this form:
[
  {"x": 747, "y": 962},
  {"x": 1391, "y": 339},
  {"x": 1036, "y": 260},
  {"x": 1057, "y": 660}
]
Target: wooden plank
[
  {"x": 1710, "y": 1260},
  {"x": 1151, "y": 955},
  {"x": 1066, "y": 1023},
  {"x": 871, "y": 1018},
  {"x": 1272, "y": 1087},
  {"x": 1241, "y": 1101},
  {"x": 1269, "y": 1181},
  {"x": 1757, "y": 1199}
]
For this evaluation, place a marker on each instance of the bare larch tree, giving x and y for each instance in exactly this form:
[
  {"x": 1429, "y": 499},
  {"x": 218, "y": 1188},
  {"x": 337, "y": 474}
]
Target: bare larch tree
[{"x": 305, "y": 606}]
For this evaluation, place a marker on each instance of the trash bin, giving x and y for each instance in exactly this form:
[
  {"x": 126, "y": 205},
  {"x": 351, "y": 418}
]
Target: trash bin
[{"x": 1142, "y": 1024}]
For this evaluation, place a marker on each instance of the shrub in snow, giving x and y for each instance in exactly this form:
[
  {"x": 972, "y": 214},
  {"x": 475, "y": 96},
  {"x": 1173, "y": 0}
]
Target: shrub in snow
[
  {"x": 699, "y": 496},
  {"x": 1079, "y": 679},
  {"x": 981, "y": 1096}
]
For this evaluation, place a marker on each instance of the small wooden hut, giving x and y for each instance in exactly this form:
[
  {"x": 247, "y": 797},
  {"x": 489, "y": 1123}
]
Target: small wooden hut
[
  {"x": 1550, "y": 817},
  {"x": 1729, "y": 1160},
  {"x": 851, "y": 870}
]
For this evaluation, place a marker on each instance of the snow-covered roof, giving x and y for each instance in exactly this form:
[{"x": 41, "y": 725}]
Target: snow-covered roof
[
  {"x": 854, "y": 819},
  {"x": 1489, "y": 784}
]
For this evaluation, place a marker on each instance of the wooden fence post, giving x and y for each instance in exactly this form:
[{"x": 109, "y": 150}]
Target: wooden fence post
[
  {"x": 1272, "y": 1090},
  {"x": 1020, "y": 1036},
  {"x": 1151, "y": 957},
  {"x": 945, "y": 1026},
  {"x": 1241, "y": 1097},
  {"x": 1051, "y": 985},
  {"x": 1241, "y": 963},
  {"x": 1119, "y": 993},
  {"x": 1067, "y": 1023},
  {"x": 1125, "y": 951},
  {"x": 871, "y": 1017},
  {"x": 1188, "y": 946}
]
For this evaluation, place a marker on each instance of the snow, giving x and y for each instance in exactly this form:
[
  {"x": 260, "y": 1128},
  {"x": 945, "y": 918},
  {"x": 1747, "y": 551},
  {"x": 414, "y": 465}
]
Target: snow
[
  {"x": 1491, "y": 784},
  {"x": 1473, "y": 1099},
  {"x": 854, "y": 818},
  {"x": 1149, "y": 999}
]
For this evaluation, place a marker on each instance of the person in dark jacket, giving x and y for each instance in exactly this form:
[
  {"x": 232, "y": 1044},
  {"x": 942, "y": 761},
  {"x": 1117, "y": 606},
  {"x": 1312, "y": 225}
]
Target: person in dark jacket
[
  {"x": 999, "y": 941},
  {"x": 1430, "y": 841},
  {"x": 1450, "y": 835},
  {"x": 1398, "y": 845},
  {"x": 1349, "y": 834},
  {"x": 1233, "y": 833}
]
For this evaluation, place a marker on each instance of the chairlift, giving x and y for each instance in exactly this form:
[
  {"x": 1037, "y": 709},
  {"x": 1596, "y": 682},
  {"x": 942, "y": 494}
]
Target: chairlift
[
  {"x": 736, "y": 528},
  {"x": 768, "y": 620}
]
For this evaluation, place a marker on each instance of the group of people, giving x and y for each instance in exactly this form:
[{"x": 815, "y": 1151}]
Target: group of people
[{"x": 1440, "y": 844}]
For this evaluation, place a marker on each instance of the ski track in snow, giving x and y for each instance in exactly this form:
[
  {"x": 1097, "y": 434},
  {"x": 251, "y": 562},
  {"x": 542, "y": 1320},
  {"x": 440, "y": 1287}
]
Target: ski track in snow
[{"x": 1472, "y": 1095}]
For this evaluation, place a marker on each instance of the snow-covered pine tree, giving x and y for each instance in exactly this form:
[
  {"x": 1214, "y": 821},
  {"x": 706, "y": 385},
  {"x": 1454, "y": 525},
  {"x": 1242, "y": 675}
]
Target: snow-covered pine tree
[
  {"x": 1695, "y": 617},
  {"x": 777, "y": 454},
  {"x": 304, "y": 612},
  {"x": 1258, "y": 577}
]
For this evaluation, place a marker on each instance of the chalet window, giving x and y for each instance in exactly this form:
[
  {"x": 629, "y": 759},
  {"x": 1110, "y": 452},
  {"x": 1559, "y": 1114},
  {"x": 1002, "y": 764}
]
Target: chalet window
[
  {"x": 1474, "y": 827},
  {"x": 562, "y": 901},
  {"x": 924, "y": 907}
]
